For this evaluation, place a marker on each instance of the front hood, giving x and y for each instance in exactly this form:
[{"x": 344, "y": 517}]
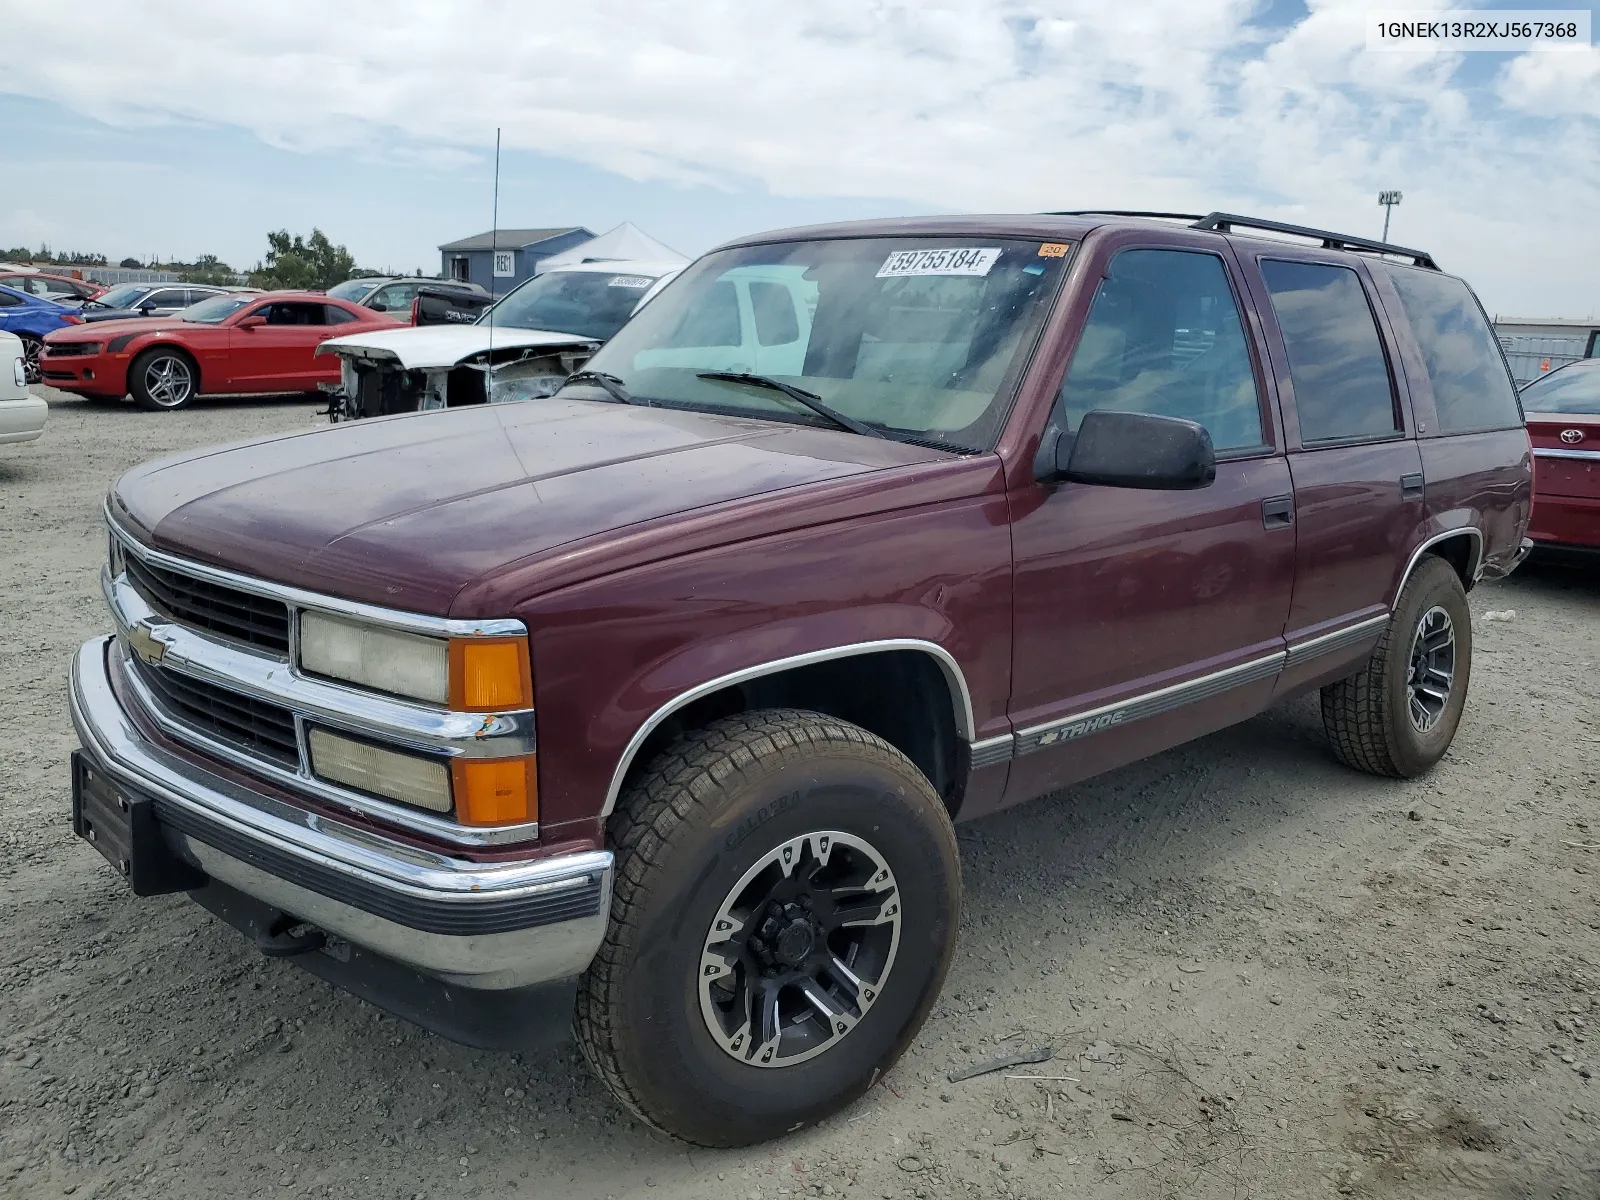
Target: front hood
[
  {"x": 113, "y": 324},
  {"x": 432, "y": 346},
  {"x": 407, "y": 511}
]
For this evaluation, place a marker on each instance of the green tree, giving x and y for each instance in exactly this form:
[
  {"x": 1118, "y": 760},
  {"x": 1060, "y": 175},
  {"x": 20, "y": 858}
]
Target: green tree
[
  {"x": 298, "y": 262},
  {"x": 208, "y": 268},
  {"x": 130, "y": 262}
]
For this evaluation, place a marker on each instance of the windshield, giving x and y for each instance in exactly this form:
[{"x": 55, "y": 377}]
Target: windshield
[
  {"x": 921, "y": 337},
  {"x": 215, "y": 310},
  {"x": 586, "y": 303},
  {"x": 353, "y": 290},
  {"x": 125, "y": 296},
  {"x": 1572, "y": 389}
]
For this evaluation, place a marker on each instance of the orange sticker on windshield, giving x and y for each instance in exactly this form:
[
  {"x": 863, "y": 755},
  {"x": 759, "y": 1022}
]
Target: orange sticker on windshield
[{"x": 1053, "y": 250}]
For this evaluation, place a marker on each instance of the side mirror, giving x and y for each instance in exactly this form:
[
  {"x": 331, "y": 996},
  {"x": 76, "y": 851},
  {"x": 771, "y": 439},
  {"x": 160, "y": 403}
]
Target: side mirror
[
  {"x": 147, "y": 309},
  {"x": 1136, "y": 450},
  {"x": 252, "y": 322},
  {"x": 378, "y": 306}
]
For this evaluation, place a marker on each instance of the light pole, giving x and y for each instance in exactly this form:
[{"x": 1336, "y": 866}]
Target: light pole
[{"x": 1388, "y": 200}]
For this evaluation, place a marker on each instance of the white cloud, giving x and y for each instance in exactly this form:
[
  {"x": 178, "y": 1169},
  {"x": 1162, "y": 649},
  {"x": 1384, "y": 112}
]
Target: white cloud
[{"x": 985, "y": 104}]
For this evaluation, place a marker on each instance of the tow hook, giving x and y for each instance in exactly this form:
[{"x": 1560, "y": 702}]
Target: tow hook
[{"x": 279, "y": 941}]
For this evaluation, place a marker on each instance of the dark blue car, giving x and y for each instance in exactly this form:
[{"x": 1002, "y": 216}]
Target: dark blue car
[{"x": 30, "y": 318}]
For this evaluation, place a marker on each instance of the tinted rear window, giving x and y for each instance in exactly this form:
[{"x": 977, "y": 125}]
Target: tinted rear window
[
  {"x": 1471, "y": 387},
  {"x": 1336, "y": 361}
]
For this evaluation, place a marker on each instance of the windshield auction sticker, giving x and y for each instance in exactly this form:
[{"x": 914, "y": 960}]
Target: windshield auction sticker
[
  {"x": 630, "y": 281},
  {"x": 948, "y": 260}
]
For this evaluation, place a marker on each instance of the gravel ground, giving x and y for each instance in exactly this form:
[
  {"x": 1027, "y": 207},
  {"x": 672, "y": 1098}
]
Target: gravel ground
[{"x": 1261, "y": 974}]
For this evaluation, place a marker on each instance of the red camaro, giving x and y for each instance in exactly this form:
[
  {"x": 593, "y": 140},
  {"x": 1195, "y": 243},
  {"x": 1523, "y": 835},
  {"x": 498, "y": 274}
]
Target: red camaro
[
  {"x": 239, "y": 342},
  {"x": 1563, "y": 411}
]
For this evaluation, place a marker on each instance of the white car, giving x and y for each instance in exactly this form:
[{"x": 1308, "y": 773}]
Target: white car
[
  {"x": 22, "y": 413},
  {"x": 521, "y": 348}
]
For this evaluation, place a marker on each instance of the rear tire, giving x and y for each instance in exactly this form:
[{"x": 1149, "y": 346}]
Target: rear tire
[
  {"x": 1398, "y": 715},
  {"x": 163, "y": 379},
  {"x": 781, "y": 873}
]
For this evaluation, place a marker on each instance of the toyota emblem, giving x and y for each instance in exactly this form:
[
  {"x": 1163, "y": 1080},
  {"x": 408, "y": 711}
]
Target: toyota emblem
[{"x": 1572, "y": 436}]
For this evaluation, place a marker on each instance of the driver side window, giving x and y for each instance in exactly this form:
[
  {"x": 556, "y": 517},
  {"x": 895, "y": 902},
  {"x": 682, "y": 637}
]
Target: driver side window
[{"x": 1164, "y": 337}]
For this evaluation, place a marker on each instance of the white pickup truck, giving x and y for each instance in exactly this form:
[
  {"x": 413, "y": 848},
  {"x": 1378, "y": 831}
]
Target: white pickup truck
[{"x": 22, "y": 414}]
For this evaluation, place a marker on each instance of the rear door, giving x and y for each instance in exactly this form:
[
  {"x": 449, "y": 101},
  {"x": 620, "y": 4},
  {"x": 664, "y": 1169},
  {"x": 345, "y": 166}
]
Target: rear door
[
  {"x": 1144, "y": 618},
  {"x": 1358, "y": 482}
]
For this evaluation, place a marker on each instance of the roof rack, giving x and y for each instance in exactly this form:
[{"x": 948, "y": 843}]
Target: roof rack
[
  {"x": 1125, "y": 212},
  {"x": 1224, "y": 222}
]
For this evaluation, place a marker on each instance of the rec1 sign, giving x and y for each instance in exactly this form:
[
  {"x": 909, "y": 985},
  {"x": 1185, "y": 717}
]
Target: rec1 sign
[{"x": 505, "y": 264}]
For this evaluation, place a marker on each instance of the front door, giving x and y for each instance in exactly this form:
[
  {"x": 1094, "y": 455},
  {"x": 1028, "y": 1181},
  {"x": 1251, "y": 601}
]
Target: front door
[
  {"x": 279, "y": 356},
  {"x": 1144, "y": 618}
]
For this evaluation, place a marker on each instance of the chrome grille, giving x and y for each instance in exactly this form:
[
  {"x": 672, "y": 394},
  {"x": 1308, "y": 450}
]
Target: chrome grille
[
  {"x": 212, "y": 607},
  {"x": 242, "y": 721}
]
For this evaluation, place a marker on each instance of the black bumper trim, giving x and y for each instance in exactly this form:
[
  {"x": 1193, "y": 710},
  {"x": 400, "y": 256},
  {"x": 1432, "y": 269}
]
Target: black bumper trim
[{"x": 461, "y": 919}]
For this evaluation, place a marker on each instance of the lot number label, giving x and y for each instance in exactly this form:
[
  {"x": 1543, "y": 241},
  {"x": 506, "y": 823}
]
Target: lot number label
[{"x": 949, "y": 260}]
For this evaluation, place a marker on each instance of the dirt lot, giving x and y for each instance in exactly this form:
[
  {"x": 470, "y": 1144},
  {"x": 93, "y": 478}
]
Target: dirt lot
[{"x": 1261, "y": 974}]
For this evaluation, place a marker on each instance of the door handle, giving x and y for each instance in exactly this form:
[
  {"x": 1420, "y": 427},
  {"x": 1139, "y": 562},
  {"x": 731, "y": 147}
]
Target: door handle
[
  {"x": 1277, "y": 512},
  {"x": 1411, "y": 486}
]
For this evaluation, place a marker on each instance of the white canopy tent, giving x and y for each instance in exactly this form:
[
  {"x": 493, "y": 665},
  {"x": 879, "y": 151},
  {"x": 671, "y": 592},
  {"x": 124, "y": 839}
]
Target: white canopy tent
[{"x": 627, "y": 242}]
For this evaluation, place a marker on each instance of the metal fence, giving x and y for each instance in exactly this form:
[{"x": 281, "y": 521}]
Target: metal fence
[
  {"x": 1533, "y": 355},
  {"x": 112, "y": 276}
]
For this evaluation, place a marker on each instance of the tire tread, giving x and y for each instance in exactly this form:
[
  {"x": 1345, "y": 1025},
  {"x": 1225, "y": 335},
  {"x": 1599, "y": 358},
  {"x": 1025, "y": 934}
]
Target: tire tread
[
  {"x": 690, "y": 774},
  {"x": 1356, "y": 710}
]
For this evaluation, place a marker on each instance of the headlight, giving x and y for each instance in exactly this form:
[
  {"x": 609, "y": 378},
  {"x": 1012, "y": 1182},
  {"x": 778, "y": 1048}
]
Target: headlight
[
  {"x": 385, "y": 660},
  {"x": 467, "y": 674},
  {"x": 408, "y": 778}
]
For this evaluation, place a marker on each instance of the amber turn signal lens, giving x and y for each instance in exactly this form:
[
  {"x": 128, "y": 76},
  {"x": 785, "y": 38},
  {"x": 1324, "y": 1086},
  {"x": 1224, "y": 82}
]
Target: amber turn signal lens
[
  {"x": 490, "y": 674},
  {"x": 496, "y": 791}
]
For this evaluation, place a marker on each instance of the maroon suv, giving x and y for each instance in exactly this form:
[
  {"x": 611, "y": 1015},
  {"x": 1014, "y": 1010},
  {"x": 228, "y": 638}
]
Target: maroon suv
[{"x": 658, "y": 697}]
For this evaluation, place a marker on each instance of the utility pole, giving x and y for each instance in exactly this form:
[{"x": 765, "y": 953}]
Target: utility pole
[{"x": 1388, "y": 200}]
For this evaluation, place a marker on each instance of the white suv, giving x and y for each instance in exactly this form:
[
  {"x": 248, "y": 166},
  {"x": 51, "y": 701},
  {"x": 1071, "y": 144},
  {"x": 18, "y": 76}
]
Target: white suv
[{"x": 22, "y": 413}]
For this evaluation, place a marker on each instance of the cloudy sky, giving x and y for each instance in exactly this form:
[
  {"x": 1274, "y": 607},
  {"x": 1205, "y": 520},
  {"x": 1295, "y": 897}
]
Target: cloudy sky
[{"x": 178, "y": 128}]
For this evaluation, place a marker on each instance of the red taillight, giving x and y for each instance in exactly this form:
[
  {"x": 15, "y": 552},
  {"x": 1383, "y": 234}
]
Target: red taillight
[
  {"x": 416, "y": 308},
  {"x": 72, "y": 318}
]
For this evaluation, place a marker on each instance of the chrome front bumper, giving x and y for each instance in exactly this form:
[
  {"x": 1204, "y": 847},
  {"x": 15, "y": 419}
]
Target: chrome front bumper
[{"x": 475, "y": 925}]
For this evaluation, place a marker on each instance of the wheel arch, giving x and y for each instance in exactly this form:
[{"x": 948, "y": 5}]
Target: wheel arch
[
  {"x": 156, "y": 344},
  {"x": 1461, "y": 547},
  {"x": 776, "y": 684}
]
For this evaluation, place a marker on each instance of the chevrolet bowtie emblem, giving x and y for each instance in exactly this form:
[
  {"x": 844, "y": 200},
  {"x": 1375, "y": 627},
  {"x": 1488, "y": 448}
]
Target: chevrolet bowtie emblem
[{"x": 145, "y": 644}]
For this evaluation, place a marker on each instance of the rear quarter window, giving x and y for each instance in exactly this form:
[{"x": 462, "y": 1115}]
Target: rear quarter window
[{"x": 1472, "y": 388}]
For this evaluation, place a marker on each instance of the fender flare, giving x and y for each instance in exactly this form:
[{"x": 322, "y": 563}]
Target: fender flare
[
  {"x": 960, "y": 695},
  {"x": 1475, "y": 567}
]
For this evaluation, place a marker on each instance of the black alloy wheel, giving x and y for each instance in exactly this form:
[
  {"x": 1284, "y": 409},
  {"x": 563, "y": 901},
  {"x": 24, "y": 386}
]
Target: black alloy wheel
[{"x": 798, "y": 951}]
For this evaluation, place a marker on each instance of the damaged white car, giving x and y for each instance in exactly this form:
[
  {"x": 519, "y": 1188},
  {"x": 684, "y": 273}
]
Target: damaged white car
[{"x": 522, "y": 348}]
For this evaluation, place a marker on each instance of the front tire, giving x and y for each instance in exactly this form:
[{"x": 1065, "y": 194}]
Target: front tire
[
  {"x": 1398, "y": 715},
  {"x": 786, "y": 904},
  {"x": 32, "y": 348},
  {"x": 163, "y": 380}
]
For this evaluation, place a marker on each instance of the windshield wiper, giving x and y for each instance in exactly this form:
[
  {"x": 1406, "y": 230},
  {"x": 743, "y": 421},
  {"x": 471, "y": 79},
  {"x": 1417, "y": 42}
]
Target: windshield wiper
[
  {"x": 799, "y": 396},
  {"x": 609, "y": 384}
]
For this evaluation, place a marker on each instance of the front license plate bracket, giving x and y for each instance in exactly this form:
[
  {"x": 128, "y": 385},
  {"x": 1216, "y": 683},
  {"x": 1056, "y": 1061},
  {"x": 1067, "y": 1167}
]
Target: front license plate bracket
[{"x": 121, "y": 824}]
